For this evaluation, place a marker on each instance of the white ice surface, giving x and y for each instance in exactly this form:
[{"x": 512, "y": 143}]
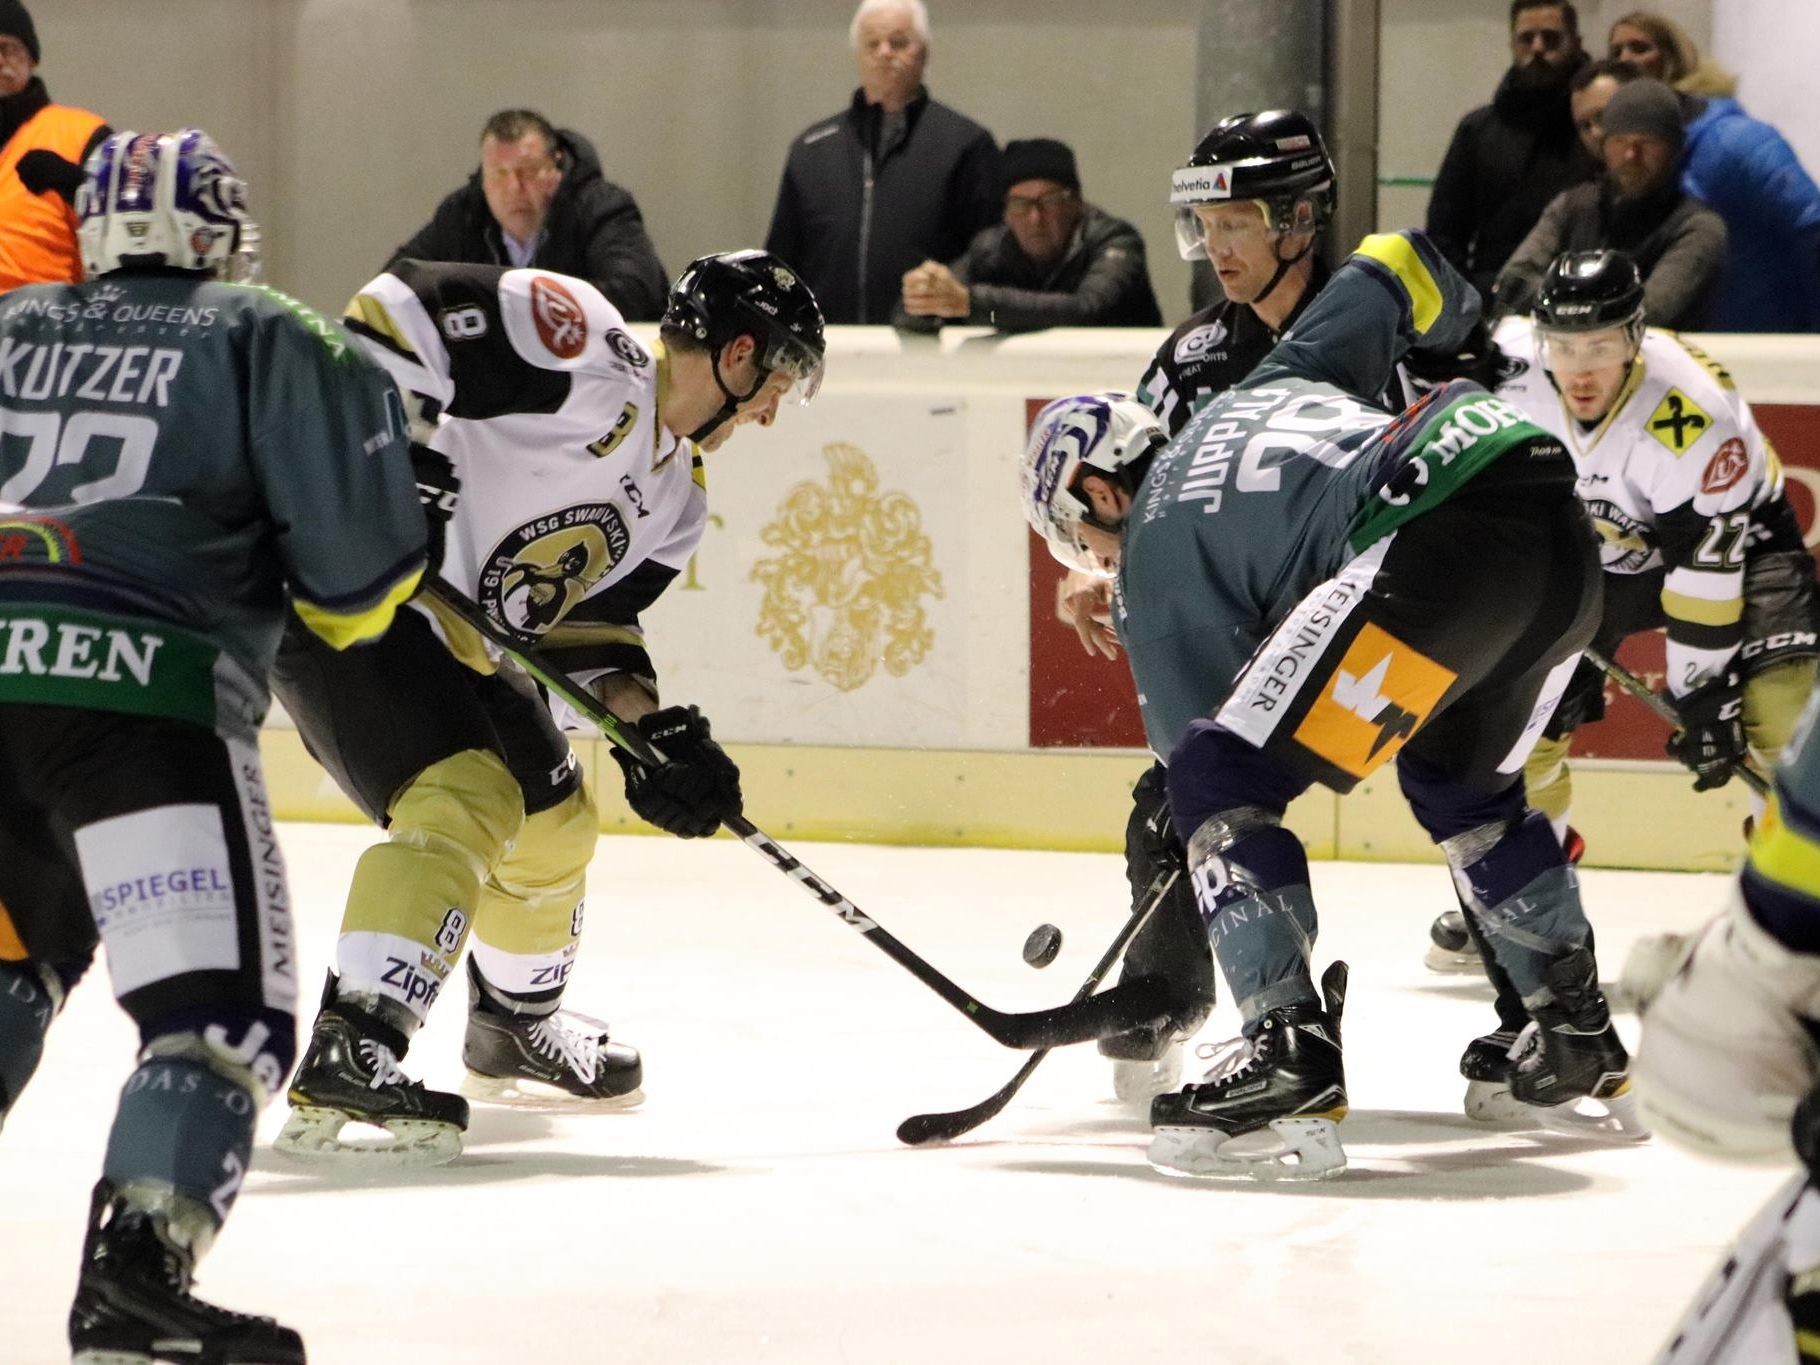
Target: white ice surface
[{"x": 758, "y": 1208}]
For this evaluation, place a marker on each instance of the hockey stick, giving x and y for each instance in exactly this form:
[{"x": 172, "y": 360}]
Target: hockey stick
[
  {"x": 921, "y": 1128},
  {"x": 1661, "y": 705},
  {"x": 1125, "y": 1006}
]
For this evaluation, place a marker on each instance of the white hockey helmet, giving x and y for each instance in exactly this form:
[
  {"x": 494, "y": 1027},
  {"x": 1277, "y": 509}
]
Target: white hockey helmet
[
  {"x": 1091, "y": 433},
  {"x": 160, "y": 200}
]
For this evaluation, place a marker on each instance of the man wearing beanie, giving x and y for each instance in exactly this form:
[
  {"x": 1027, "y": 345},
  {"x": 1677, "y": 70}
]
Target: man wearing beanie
[
  {"x": 42, "y": 148},
  {"x": 1637, "y": 207},
  {"x": 1055, "y": 260}
]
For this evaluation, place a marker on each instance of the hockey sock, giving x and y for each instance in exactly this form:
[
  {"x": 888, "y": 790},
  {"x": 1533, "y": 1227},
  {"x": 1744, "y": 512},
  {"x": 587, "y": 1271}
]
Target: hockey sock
[
  {"x": 184, "y": 1127},
  {"x": 28, "y": 1000},
  {"x": 527, "y": 924},
  {"x": 1525, "y": 894},
  {"x": 1259, "y": 911}
]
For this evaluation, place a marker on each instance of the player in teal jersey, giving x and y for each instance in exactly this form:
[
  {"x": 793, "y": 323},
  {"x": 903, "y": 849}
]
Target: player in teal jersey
[
  {"x": 1307, "y": 588},
  {"x": 182, "y": 460}
]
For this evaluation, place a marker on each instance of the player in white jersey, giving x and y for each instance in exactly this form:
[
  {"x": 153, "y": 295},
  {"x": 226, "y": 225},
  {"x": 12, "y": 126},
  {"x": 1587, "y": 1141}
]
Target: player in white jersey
[
  {"x": 1698, "y": 537},
  {"x": 565, "y": 458}
]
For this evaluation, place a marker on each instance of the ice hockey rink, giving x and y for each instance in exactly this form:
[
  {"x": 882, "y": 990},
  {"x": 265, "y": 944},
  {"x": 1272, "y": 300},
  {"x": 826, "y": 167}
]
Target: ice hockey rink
[{"x": 759, "y": 1209}]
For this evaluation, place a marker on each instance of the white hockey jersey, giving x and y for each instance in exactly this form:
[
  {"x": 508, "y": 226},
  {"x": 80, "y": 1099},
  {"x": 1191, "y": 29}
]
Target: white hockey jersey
[
  {"x": 576, "y": 507},
  {"x": 1671, "y": 477}
]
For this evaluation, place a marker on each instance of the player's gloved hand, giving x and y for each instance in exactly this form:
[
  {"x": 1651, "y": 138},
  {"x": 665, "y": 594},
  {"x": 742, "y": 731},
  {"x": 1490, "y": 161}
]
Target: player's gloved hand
[
  {"x": 439, "y": 490},
  {"x": 696, "y": 787},
  {"x": 1151, "y": 845},
  {"x": 1711, "y": 738},
  {"x": 42, "y": 169},
  {"x": 1806, "y": 1133},
  {"x": 1581, "y": 704}
]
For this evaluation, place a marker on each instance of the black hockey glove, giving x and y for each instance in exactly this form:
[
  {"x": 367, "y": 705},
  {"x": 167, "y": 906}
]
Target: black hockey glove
[
  {"x": 1806, "y": 1133},
  {"x": 697, "y": 786},
  {"x": 1151, "y": 845},
  {"x": 42, "y": 169},
  {"x": 440, "y": 493},
  {"x": 1711, "y": 738},
  {"x": 1581, "y": 704}
]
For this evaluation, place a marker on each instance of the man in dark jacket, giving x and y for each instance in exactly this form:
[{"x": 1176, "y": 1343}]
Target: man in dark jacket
[
  {"x": 1056, "y": 260},
  {"x": 539, "y": 199},
  {"x": 1509, "y": 158},
  {"x": 1637, "y": 207},
  {"x": 895, "y": 180}
]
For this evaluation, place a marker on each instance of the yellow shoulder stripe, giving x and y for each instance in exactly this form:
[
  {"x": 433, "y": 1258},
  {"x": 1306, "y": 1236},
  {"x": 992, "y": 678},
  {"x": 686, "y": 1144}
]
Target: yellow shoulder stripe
[
  {"x": 372, "y": 314},
  {"x": 1399, "y": 255},
  {"x": 697, "y": 470},
  {"x": 341, "y": 629},
  {"x": 1784, "y": 856}
]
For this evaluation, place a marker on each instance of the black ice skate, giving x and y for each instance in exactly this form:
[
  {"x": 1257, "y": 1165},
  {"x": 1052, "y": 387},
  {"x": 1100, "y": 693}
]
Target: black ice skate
[
  {"x": 558, "y": 1059},
  {"x": 347, "y": 1077},
  {"x": 1269, "y": 1108},
  {"x": 1570, "y": 1056},
  {"x": 1486, "y": 1066},
  {"x": 1146, "y": 1061},
  {"x": 133, "y": 1303}
]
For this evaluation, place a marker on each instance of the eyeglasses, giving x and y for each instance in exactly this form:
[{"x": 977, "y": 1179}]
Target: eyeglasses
[{"x": 1017, "y": 205}]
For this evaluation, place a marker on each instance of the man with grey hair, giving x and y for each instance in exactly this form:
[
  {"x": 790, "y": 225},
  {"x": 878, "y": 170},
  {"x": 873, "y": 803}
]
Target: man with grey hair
[{"x": 893, "y": 180}]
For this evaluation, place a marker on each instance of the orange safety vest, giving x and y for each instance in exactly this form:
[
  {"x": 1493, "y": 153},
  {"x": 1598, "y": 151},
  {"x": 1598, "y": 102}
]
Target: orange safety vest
[{"x": 38, "y": 231}]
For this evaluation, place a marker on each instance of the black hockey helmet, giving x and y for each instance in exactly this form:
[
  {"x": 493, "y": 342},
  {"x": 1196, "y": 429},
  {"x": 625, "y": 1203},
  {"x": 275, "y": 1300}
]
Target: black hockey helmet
[
  {"x": 752, "y": 293},
  {"x": 1588, "y": 291},
  {"x": 1276, "y": 156}
]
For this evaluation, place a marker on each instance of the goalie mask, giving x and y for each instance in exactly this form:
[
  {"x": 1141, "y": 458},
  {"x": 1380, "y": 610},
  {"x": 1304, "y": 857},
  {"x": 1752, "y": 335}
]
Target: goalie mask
[
  {"x": 1096, "y": 433},
  {"x": 159, "y": 201}
]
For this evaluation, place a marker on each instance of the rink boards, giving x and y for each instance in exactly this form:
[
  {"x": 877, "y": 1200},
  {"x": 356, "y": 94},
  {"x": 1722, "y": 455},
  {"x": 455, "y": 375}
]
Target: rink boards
[{"x": 873, "y": 630}]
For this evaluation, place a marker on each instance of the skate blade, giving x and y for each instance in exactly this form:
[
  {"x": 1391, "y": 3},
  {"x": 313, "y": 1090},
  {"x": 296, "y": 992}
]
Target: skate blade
[
  {"x": 1612, "y": 1119},
  {"x": 1492, "y": 1102},
  {"x": 1439, "y": 959},
  {"x": 519, "y": 1092},
  {"x": 312, "y": 1133},
  {"x": 1287, "y": 1149},
  {"x": 1136, "y": 1083},
  {"x": 108, "y": 1356},
  {"x": 182, "y": 1350}
]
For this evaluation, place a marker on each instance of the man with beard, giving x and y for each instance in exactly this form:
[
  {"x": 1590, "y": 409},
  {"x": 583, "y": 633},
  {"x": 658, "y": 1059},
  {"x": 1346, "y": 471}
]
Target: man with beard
[{"x": 1509, "y": 158}]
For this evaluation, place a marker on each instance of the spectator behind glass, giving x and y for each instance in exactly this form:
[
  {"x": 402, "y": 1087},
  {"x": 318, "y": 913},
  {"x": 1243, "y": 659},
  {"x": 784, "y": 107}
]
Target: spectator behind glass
[
  {"x": 1637, "y": 207},
  {"x": 42, "y": 148},
  {"x": 1657, "y": 46},
  {"x": 1588, "y": 94},
  {"x": 1509, "y": 158},
  {"x": 903, "y": 176},
  {"x": 539, "y": 198},
  {"x": 1056, "y": 260}
]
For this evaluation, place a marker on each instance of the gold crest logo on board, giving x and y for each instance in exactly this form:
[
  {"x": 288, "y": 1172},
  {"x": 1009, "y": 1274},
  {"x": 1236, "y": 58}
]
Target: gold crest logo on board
[{"x": 844, "y": 594}]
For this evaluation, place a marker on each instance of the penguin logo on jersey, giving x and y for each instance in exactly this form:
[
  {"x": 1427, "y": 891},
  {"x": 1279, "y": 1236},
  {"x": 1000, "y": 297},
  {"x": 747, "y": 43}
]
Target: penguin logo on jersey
[
  {"x": 1625, "y": 543},
  {"x": 539, "y": 571}
]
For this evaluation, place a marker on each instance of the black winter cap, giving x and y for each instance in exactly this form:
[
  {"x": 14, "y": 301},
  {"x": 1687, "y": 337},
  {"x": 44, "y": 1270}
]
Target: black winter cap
[
  {"x": 1038, "y": 158},
  {"x": 16, "y": 22}
]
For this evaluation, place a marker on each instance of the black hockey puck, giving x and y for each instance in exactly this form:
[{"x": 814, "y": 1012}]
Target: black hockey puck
[{"x": 1044, "y": 943}]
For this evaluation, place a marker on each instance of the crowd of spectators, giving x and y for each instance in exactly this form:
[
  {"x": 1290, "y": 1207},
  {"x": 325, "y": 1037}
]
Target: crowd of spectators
[{"x": 902, "y": 209}]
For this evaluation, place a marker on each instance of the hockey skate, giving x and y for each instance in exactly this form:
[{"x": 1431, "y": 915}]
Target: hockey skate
[
  {"x": 348, "y": 1078},
  {"x": 1569, "y": 1057},
  {"x": 1486, "y": 1066},
  {"x": 133, "y": 1302},
  {"x": 1146, "y": 1061},
  {"x": 1270, "y": 1106},
  {"x": 559, "y": 1060}
]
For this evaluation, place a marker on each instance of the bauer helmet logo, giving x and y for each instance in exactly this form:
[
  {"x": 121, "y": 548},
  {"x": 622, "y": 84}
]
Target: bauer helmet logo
[{"x": 561, "y": 324}]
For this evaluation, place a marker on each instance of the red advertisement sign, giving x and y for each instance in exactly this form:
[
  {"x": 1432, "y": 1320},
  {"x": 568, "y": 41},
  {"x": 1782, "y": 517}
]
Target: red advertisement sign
[{"x": 1076, "y": 700}]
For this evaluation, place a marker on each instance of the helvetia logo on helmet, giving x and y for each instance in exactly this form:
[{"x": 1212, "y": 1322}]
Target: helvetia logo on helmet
[
  {"x": 1192, "y": 183},
  {"x": 538, "y": 571},
  {"x": 561, "y": 324}
]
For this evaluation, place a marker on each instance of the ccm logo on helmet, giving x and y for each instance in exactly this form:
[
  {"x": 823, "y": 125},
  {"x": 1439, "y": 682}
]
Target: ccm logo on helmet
[{"x": 561, "y": 324}]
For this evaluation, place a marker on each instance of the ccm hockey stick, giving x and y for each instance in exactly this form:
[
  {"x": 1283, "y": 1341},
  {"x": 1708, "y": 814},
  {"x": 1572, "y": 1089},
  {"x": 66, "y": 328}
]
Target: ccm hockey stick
[
  {"x": 1664, "y": 708},
  {"x": 1125, "y": 1006},
  {"x": 921, "y": 1128}
]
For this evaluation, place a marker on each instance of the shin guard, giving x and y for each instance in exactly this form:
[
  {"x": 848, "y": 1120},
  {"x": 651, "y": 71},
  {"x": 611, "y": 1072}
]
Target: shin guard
[{"x": 1251, "y": 881}]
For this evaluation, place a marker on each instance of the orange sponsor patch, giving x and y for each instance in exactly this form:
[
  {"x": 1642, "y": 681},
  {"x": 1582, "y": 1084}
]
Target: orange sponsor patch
[
  {"x": 11, "y": 948},
  {"x": 1376, "y": 699}
]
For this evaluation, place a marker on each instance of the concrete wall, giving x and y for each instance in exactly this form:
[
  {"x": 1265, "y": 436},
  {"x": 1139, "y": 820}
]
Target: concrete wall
[
  {"x": 352, "y": 117},
  {"x": 1771, "y": 45}
]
